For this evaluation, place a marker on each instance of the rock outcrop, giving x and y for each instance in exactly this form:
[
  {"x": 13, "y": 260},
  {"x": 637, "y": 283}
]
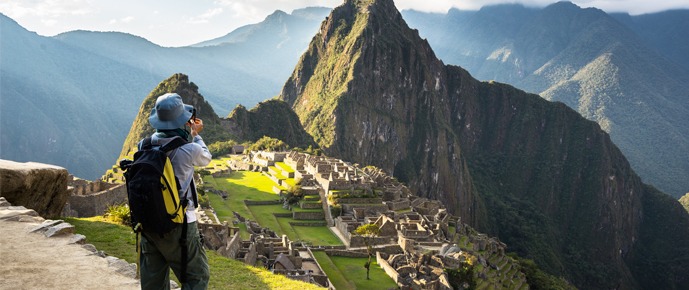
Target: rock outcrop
[{"x": 37, "y": 186}]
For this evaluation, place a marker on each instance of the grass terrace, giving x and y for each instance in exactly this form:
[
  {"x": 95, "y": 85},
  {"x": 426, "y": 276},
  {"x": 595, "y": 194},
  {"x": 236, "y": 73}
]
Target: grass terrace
[
  {"x": 349, "y": 273},
  {"x": 255, "y": 186},
  {"x": 284, "y": 167}
]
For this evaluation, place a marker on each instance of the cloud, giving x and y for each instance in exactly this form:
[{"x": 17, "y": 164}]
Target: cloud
[
  {"x": 127, "y": 19},
  {"x": 47, "y": 8},
  {"x": 206, "y": 16}
]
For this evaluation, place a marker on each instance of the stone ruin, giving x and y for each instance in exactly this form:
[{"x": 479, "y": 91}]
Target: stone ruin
[
  {"x": 415, "y": 243},
  {"x": 92, "y": 198}
]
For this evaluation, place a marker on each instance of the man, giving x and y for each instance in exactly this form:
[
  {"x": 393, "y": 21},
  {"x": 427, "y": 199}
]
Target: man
[{"x": 171, "y": 117}]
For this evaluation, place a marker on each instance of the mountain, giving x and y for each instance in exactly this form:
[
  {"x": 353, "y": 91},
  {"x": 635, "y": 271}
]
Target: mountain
[
  {"x": 272, "y": 118},
  {"x": 667, "y": 32},
  {"x": 278, "y": 29},
  {"x": 54, "y": 109},
  {"x": 69, "y": 99},
  {"x": 632, "y": 79},
  {"x": 535, "y": 173}
]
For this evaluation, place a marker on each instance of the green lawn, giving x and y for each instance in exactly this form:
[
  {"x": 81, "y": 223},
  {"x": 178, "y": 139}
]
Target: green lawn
[
  {"x": 241, "y": 185},
  {"x": 317, "y": 235},
  {"x": 263, "y": 214},
  {"x": 284, "y": 166},
  {"x": 349, "y": 273},
  {"x": 290, "y": 181},
  {"x": 221, "y": 207}
]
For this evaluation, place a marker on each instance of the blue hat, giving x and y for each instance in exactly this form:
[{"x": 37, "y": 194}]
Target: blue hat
[{"x": 170, "y": 112}]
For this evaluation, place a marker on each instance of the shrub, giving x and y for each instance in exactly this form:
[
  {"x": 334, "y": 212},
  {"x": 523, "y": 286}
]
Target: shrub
[
  {"x": 203, "y": 199},
  {"x": 222, "y": 147},
  {"x": 335, "y": 210},
  {"x": 268, "y": 143},
  {"x": 119, "y": 214}
]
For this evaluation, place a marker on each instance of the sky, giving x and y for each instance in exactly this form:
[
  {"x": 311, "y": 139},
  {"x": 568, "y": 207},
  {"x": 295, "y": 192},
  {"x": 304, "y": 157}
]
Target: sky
[{"x": 184, "y": 22}]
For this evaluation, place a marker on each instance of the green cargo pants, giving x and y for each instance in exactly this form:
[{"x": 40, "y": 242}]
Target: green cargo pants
[{"x": 160, "y": 253}]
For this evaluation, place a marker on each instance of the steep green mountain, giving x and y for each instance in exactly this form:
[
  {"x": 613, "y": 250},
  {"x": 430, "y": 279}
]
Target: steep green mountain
[
  {"x": 628, "y": 79},
  {"x": 69, "y": 100},
  {"x": 546, "y": 181},
  {"x": 270, "y": 118},
  {"x": 667, "y": 32},
  {"x": 273, "y": 118}
]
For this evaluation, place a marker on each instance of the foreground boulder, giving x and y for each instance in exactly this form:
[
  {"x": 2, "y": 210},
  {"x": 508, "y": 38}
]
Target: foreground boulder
[{"x": 41, "y": 187}]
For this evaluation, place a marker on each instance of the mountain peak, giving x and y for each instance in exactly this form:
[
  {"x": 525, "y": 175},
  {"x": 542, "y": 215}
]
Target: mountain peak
[{"x": 371, "y": 91}]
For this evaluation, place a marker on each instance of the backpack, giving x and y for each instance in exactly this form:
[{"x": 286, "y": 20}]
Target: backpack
[
  {"x": 153, "y": 193},
  {"x": 153, "y": 189}
]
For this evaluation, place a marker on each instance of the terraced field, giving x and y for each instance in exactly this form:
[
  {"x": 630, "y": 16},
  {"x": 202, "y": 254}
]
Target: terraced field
[{"x": 243, "y": 186}]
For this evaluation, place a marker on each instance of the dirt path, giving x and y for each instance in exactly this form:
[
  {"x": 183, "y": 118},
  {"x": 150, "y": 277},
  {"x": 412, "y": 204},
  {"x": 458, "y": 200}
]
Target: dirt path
[{"x": 33, "y": 261}]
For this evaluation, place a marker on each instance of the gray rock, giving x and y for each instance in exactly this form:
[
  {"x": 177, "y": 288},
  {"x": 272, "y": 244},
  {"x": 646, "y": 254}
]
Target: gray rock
[
  {"x": 4, "y": 202},
  {"x": 122, "y": 267},
  {"x": 60, "y": 229},
  {"x": 38, "y": 186},
  {"x": 30, "y": 219},
  {"x": 173, "y": 285},
  {"x": 15, "y": 215},
  {"x": 45, "y": 225},
  {"x": 90, "y": 247},
  {"x": 78, "y": 239}
]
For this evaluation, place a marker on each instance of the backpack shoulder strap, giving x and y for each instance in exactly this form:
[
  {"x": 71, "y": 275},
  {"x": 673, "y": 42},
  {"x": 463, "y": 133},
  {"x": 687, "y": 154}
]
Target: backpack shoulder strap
[
  {"x": 173, "y": 144},
  {"x": 146, "y": 143}
]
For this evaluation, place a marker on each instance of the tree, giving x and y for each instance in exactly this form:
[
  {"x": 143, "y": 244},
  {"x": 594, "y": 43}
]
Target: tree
[{"x": 369, "y": 232}]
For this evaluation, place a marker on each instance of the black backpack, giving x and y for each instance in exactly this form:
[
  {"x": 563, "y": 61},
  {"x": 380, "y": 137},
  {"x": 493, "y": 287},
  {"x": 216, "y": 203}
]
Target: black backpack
[
  {"x": 153, "y": 189},
  {"x": 153, "y": 193}
]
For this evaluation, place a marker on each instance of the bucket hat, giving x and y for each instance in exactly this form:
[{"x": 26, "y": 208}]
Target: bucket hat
[{"x": 170, "y": 112}]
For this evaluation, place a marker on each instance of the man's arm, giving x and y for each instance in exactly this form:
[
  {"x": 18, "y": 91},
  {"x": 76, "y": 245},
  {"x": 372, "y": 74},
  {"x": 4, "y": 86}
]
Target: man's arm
[{"x": 200, "y": 154}]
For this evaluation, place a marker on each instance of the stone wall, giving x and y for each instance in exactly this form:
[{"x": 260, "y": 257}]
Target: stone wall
[
  {"x": 356, "y": 241},
  {"x": 310, "y": 205},
  {"x": 309, "y": 224},
  {"x": 85, "y": 187},
  {"x": 398, "y": 204},
  {"x": 308, "y": 215},
  {"x": 96, "y": 203},
  {"x": 37, "y": 186},
  {"x": 387, "y": 268},
  {"x": 346, "y": 253},
  {"x": 373, "y": 208},
  {"x": 215, "y": 235},
  {"x": 232, "y": 247},
  {"x": 360, "y": 200},
  {"x": 261, "y": 202}
]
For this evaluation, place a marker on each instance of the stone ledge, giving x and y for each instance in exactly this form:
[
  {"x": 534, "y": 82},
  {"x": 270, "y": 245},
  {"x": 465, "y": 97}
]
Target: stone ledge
[{"x": 59, "y": 228}]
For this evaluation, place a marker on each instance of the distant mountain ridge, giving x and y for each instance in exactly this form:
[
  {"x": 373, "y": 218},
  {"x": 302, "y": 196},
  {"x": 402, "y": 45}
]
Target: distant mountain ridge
[
  {"x": 51, "y": 113},
  {"x": 630, "y": 76},
  {"x": 546, "y": 181},
  {"x": 82, "y": 88}
]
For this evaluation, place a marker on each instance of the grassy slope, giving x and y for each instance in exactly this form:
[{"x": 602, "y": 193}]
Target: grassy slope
[{"x": 118, "y": 240}]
